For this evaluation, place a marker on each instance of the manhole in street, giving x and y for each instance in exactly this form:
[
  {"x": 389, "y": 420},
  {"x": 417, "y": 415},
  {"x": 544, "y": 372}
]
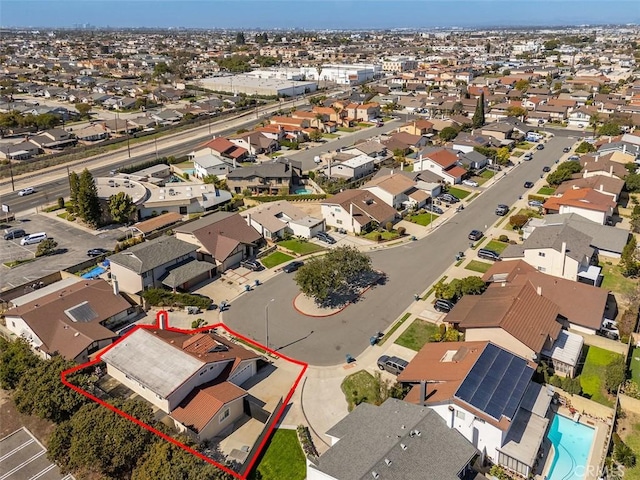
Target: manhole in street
[{"x": 338, "y": 348}]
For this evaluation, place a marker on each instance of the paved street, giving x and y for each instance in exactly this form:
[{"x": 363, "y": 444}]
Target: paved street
[{"x": 411, "y": 268}]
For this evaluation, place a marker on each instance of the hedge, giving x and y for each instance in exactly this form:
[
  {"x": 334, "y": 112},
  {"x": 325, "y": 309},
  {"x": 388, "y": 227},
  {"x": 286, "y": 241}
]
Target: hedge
[
  {"x": 275, "y": 198},
  {"x": 537, "y": 197},
  {"x": 158, "y": 297}
]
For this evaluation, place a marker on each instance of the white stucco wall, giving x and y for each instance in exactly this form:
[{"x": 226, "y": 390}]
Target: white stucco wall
[
  {"x": 594, "y": 216},
  {"x": 336, "y": 216}
]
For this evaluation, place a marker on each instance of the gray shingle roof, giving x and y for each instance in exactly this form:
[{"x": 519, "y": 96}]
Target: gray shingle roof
[
  {"x": 370, "y": 435},
  {"x": 185, "y": 271},
  {"x": 603, "y": 237},
  {"x": 552, "y": 236},
  {"x": 149, "y": 255}
]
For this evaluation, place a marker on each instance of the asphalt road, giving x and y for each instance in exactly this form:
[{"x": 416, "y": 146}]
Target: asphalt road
[{"x": 410, "y": 269}]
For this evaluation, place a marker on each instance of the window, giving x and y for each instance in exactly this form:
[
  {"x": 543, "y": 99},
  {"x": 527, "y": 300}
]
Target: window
[
  {"x": 146, "y": 274},
  {"x": 460, "y": 414},
  {"x": 541, "y": 254},
  {"x": 13, "y": 324},
  {"x": 183, "y": 210},
  {"x": 339, "y": 222},
  {"x": 224, "y": 415},
  {"x": 542, "y": 269}
]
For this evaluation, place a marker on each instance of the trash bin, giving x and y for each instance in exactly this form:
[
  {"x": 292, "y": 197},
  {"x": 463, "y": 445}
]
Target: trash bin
[
  {"x": 257, "y": 282},
  {"x": 349, "y": 358},
  {"x": 247, "y": 288},
  {"x": 373, "y": 340}
]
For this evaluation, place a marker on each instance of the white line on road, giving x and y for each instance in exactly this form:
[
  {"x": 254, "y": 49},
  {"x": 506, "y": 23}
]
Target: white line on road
[
  {"x": 23, "y": 464},
  {"x": 18, "y": 448}
]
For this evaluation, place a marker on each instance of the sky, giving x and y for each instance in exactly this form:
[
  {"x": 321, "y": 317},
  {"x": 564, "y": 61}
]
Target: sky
[{"x": 316, "y": 14}]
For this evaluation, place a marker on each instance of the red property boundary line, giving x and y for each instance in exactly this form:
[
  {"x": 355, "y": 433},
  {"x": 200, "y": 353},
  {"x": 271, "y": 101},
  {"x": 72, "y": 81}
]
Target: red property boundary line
[{"x": 157, "y": 324}]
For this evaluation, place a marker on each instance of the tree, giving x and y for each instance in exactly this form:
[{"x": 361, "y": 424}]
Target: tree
[
  {"x": 16, "y": 358},
  {"x": 615, "y": 374},
  {"x": 478, "y": 115},
  {"x": 518, "y": 221},
  {"x": 399, "y": 155},
  {"x": 448, "y": 133},
  {"x": 46, "y": 247},
  {"x": 41, "y": 393},
  {"x": 585, "y": 147},
  {"x": 315, "y": 135},
  {"x": 261, "y": 38},
  {"x": 74, "y": 188},
  {"x": 514, "y": 111},
  {"x": 564, "y": 172},
  {"x": 572, "y": 385},
  {"x": 632, "y": 182},
  {"x": 623, "y": 454},
  {"x": 594, "y": 120},
  {"x": 121, "y": 207},
  {"x": 88, "y": 203},
  {"x": 631, "y": 167},
  {"x": 629, "y": 264},
  {"x": 83, "y": 109},
  {"x": 609, "y": 129},
  {"x": 240, "y": 40},
  {"x": 502, "y": 156},
  {"x": 472, "y": 285}
]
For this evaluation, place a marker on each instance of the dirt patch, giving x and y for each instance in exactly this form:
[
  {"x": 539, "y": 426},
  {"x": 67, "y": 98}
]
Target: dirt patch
[
  {"x": 624, "y": 426},
  {"x": 12, "y": 420}
]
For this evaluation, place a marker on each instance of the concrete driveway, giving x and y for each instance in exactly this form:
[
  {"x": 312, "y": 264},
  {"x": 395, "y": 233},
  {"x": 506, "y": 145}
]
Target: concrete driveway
[{"x": 410, "y": 268}]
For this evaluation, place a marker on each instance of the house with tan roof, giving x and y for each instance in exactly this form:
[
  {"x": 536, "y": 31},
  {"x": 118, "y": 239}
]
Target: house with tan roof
[
  {"x": 74, "y": 317},
  {"x": 255, "y": 142},
  {"x": 223, "y": 239},
  {"x": 602, "y": 164},
  {"x": 398, "y": 191},
  {"x": 417, "y": 127},
  {"x": 441, "y": 162},
  {"x": 357, "y": 211},
  {"x": 611, "y": 186},
  {"x": 486, "y": 393},
  {"x": 275, "y": 220},
  {"x": 587, "y": 202},
  {"x": 196, "y": 378}
]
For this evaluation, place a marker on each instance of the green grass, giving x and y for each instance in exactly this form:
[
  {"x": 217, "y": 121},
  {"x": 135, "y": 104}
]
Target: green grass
[
  {"x": 65, "y": 215},
  {"x": 359, "y": 387},
  {"x": 615, "y": 281},
  {"x": 488, "y": 174},
  {"x": 477, "y": 244},
  {"x": 276, "y": 258},
  {"x": 476, "y": 266},
  {"x": 517, "y": 153},
  {"x": 385, "y": 235},
  {"x": 632, "y": 439},
  {"x": 474, "y": 196},
  {"x": 529, "y": 212},
  {"x": 458, "y": 192},
  {"x": 364, "y": 125},
  {"x": 506, "y": 217},
  {"x": 460, "y": 262},
  {"x": 300, "y": 247},
  {"x": 330, "y": 135},
  {"x": 394, "y": 328},
  {"x": 496, "y": 246},
  {"x": 593, "y": 374},
  {"x": 347, "y": 129},
  {"x": 525, "y": 145},
  {"x": 283, "y": 458},
  {"x": 15, "y": 263},
  {"x": 546, "y": 191},
  {"x": 430, "y": 291},
  {"x": 423, "y": 219},
  {"x": 185, "y": 165},
  {"x": 418, "y": 333},
  {"x": 635, "y": 365}
]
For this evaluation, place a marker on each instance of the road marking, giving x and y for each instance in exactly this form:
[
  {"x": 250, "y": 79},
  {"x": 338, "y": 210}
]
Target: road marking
[
  {"x": 23, "y": 464},
  {"x": 8, "y": 454},
  {"x": 43, "y": 472}
]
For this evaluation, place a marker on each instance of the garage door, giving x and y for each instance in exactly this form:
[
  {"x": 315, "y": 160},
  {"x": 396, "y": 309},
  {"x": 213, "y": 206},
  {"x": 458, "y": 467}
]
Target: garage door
[{"x": 243, "y": 374}]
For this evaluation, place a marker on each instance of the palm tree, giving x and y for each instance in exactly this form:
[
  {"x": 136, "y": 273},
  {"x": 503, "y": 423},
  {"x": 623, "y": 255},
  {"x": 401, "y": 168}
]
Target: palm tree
[{"x": 594, "y": 119}]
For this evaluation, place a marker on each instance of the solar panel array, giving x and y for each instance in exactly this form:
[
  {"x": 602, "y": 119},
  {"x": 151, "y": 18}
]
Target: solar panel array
[
  {"x": 81, "y": 313},
  {"x": 496, "y": 382}
]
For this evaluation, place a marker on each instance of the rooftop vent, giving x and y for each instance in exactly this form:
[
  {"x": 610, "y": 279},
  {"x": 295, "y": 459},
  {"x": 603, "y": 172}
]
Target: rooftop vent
[
  {"x": 403, "y": 446},
  {"x": 375, "y": 474},
  {"x": 388, "y": 462}
]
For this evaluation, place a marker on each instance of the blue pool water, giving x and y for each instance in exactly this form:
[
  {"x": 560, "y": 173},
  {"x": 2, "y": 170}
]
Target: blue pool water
[
  {"x": 96, "y": 272},
  {"x": 303, "y": 191},
  {"x": 571, "y": 445}
]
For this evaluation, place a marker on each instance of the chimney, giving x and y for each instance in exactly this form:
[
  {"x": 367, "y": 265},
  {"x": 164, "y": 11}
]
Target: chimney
[
  {"x": 611, "y": 171},
  {"x": 609, "y": 139},
  {"x": 391, "y": 172},
  {"x": 234, "y": 163},
  {"x": 564, "y": 248},
  {"x": 597, "y": 156},
  {"x": 423, "y": 392},
  {"x": 602, "y": 188},
  {"x": 249, "y": 219},
  {"x": 116, "y": 289},
  {"x": 539, "y": 290},
  {"x": 624, "y": 149},
  {"x": 162, "y": 317}
]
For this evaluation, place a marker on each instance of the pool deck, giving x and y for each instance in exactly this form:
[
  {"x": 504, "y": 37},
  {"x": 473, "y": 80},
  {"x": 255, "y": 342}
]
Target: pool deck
[{"x": 598, "y": 447}]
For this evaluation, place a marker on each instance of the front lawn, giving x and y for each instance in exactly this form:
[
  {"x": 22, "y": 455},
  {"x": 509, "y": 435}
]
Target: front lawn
[
  {"x": 632, "y": 438},
  {"x": 525, "y": 145},
  {"x": 615, "y": 281},
  {"x": 385, "y": 235},
  {"x": 488, "y": 174},
  {"x": 359, "y": 387},
  {"x": 276, "y": 258},
  {"x": 635, "y": 365},
  {"x": 546, "y": 191},
  {"x": 418, "y": 333},
  {"x": 300, "y": 247},
  {"x": 364, "y": 125},
  {"x": 458, "y": 192},
  {"x": 496, "y": 246},
  {"x": 283, "y": 458},
  {"x": 330, "y": 135},
  {"x": 423, "y": 219},
  {"x": 347, "y": 129},
  {"x": 477, "y": 266},
  {"x": 593, "y": 374}
]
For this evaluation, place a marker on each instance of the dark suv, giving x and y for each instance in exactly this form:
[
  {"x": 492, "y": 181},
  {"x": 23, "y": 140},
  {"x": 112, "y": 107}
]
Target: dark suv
[
  {"x": 325, "y": 237},
  {"x": 251, "y": 264},
  {"x": 13, "y": 233},
  {"x": 442, "y": 305},
  {"x": 394, "y": 365},
  {"x": 502, "y": 210},
  {"x": 487, "y": 254}
]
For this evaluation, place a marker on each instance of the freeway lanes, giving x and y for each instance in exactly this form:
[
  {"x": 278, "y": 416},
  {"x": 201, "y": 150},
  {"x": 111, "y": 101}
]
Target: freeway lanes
[{"x": 410, "y": 268}]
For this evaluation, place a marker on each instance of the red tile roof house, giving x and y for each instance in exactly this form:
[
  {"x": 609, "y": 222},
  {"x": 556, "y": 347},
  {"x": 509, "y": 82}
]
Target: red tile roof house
[
  {"x": 442, "y": 163},
  {"x": 587, "y": 202},
  {"x": 196, "y": 378},
  {"x": 225, "y": 148}
]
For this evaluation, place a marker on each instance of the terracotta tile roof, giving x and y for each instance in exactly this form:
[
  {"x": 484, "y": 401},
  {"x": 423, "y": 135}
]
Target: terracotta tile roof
[
  {"x": 609, "y": 184},
  {"x": 586, "y": 198},
  {"x": 158, "y": 222},
  {"x": 456, "y": 171},
  {"x": 517, "y": 309},
  {"x": 444, "y": 158}
]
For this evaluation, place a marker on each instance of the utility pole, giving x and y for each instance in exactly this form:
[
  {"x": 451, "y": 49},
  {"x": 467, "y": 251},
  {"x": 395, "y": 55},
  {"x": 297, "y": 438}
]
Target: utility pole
[{"x": 13, "y": 187}]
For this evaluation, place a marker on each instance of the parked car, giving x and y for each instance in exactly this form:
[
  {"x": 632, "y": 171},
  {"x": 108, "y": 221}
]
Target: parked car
[
  {"x": 442, "y": 305},
  {"x": 475, "y": 235},
  {"x": 487, "y": 254},
  {"x": 495, "y": 168},
  {"x": 540, "y": 146},
  {"x": 292, "y": 267},
  {"x": 394, "y": 365},
  {"x": 527, "y": 157},
  {"x": 33, "y": 238},
  {"x": 13, "y": 233},
  {"x": 26, "y": 191},
  {"x": 566, "y": 149},
  {"x": 535, "y": 203},
  {"x": 448, "y": 198},
  {"x": 502, "y": 209},
  {"x": 96, "y": 252},
  {"x": 326, "y": 238},
  {"x": 251, "y": 264},
  {"x": 434, "y": 209},
  {"x": 574, "y": 158},
  {"x": 528, "y": 184},
  {"x": 470, "y": 183},
  {"x": 546, "y": 169}
]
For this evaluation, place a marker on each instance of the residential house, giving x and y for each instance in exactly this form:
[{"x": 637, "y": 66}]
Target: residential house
[
  {"x": 630, "y": 151},
  {"x": 607, "y": 241},
  {"x": 367, "y": 112},
  {"x": 581, "y": 116},
  {"x": 373, "y": 148},
  {"x": 442, "y": 162},
  {"x": 499, "y": 130},
  {"x": 419, "y": 127},
  {"x": 289, "y": 121},
  {"x": 473, "y": 160},
  {"x": 397, "y": 190},
  {"x": 92, "y": 133},
  {"x": 56, "y": 138},
  {"x": 223, "y": 239},
  {"x": 583, "y": 308},
  {"x": 587, "y": 202},
  {"x": 505, "y": 419},
  {"x": 196, "y": 378},
  {"x": 120, "y": 126},
  {"x": 351, "y": 169},
  {"x": 275, "y": 220},
  {"x": 255, "y": 143},
  {"x": 164, "y": 261},
  {"x": 225, "y": 148},
  {"x": 404, "y": 140},
  {"x": 19, "y": 151},
  {"x": 357, "y": 211},
  {"x": 557, "y": 113},
  {"x": 605, "y": 184},
  {"x": 211, "y": 164},
  {"x": 597, "y": 164},
  {"x": 180, "y": 198},
  {"x": 270, "y": 178},
  {"x": 167, "y": 117},
  {"x": 74, "y": 317},
  {"x": 466, "y": 142},
  {"x": 394, "y": 441},
  {"x": 561, "y": 251}
]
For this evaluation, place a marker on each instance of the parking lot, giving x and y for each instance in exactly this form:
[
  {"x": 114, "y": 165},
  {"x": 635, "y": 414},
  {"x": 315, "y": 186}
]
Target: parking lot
[
  {"x": 22, "y": 457},
  {"x": 73, "y": 244}
]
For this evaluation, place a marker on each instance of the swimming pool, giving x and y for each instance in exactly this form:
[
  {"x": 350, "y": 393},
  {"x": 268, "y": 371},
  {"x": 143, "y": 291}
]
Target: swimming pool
[
  {"x": 94, "y": 273},
  {"x": 303, "y": 191},
  {"x": 571, "y": 445}
]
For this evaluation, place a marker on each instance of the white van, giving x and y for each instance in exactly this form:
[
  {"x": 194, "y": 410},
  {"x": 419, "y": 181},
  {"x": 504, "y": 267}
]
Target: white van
[{"x": 33, "y": 238}]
